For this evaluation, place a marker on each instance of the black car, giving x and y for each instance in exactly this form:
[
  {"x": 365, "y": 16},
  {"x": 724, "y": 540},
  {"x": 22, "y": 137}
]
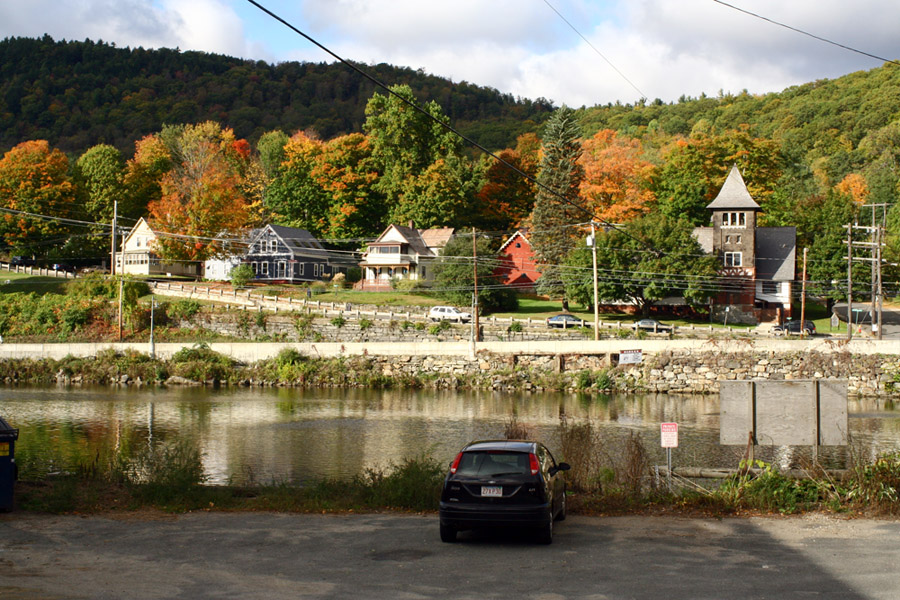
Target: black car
[
  {"x": 565, "y": 320},
  {"x": 793, "y": 328},
  {"x": 503, "y": 483}
]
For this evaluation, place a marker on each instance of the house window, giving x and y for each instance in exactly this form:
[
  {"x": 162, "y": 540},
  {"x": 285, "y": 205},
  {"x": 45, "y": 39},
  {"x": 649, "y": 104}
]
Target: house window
[
  {"x": 518, "y": 244},
  {"x": 734, "y": 219},
  {"x": 273, "y": 245},
  {"x": 301, "y": 267},
  {"x": 316, "y": 270},
  {"x": 423, "y": 272},
  {"x": 255, "y": 267},
  {"x": 264, "y": 268},
  {"x": 733, "y": 259},
  {"x": 282, "y": 267},
  {"x": 770, "y": 288}
]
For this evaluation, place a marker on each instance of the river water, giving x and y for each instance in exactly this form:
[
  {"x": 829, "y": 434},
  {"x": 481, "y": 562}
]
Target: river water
[{"x": 290, "y": 435}]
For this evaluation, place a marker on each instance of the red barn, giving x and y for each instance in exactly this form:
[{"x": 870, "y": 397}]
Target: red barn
[{"x": 517, "y": 267}]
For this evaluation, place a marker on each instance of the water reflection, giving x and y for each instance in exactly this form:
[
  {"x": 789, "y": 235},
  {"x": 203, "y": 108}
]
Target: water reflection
[{"x": 262, "y": 435}]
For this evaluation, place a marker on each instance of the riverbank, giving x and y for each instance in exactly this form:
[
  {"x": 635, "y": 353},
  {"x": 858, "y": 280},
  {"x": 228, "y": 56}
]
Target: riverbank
[{"x": 872, "y": 368}]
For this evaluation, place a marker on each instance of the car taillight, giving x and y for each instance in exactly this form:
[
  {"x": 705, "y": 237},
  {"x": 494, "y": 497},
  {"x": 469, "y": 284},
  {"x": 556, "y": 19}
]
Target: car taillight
[
  {"x": 455, "y": 464},
  {"x": 535, "y": 466}
]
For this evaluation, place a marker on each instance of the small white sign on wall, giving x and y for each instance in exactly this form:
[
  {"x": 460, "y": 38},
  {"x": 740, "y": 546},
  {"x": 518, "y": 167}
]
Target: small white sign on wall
[{"x": 630, "y": 357}]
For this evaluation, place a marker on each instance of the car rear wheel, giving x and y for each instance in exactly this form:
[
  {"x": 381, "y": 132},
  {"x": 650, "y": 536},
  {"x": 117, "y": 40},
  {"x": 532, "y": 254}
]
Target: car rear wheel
[
  {"x": 545, "y": 533},
  {"x": 448, "y": 533},
  {"x": 561, "y": 515}
]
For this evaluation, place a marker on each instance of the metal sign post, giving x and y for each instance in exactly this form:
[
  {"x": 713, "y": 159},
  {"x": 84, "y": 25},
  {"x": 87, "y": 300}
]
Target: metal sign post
[{"x": 668, "y": 435}]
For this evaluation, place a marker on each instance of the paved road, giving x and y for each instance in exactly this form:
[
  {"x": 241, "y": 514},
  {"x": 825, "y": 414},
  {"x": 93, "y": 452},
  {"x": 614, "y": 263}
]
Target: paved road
[{"x": 273, "y": 556}]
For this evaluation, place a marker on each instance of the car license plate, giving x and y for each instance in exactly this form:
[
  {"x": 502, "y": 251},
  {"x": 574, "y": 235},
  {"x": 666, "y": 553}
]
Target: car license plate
[{"x": 491, "y": 490}]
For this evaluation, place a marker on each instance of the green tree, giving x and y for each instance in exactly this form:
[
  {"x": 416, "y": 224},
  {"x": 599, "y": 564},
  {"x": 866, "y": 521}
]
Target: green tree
[
  {"x": 454, "y": 276},
  {"x": 648, "y": 259},
  {"x": 552, "y": 236},
  {"x": 419, "y": 161}
]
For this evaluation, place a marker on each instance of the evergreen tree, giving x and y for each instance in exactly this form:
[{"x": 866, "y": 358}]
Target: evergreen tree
[{"x": 552, "y": 237}]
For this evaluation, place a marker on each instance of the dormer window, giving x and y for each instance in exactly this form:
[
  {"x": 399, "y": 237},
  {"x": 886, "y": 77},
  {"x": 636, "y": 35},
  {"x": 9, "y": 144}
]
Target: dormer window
[{"x": 734, "y": 219}]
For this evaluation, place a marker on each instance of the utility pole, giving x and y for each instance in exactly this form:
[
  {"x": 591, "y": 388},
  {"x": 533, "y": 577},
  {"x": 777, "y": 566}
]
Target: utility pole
[
  {"x": 112, "y": 245},
  {"x": 596, "y": 293},
  {"x": 849, "y": 282},
  {"x": 475, "y": 267},
  {"x": 803, "y": 299},
  {"x": 879, "y": 290}
]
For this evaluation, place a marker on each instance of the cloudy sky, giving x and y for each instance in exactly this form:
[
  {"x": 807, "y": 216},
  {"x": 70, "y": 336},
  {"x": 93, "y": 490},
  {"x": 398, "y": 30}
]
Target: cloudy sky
[{"x": 653, "y": 48}]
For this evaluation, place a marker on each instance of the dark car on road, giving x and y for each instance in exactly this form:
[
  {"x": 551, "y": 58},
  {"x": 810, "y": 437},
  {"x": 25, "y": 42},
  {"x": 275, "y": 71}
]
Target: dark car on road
[
  {"x": 565, "y": 320},
  {"x": 793, "y": 328},
  {"x": 503, "y": 483}
]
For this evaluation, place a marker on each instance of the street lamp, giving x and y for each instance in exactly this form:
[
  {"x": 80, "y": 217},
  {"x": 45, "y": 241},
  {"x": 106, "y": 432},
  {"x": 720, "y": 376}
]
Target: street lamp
[{"x": 152, "y": 345}]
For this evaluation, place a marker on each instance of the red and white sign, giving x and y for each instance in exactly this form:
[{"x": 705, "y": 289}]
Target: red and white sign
[{"x": 668, "y": 434}]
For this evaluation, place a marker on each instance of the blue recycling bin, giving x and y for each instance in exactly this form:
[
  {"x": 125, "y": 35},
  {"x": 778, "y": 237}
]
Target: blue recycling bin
[{"x": 9, "y": 472}]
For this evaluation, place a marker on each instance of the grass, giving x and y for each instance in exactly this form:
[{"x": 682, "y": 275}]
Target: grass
[{"x": 11, "y": 283}]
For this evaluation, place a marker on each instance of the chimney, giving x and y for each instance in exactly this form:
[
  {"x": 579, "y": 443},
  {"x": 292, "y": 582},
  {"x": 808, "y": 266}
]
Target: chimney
[{"x": 411, "y": 224}]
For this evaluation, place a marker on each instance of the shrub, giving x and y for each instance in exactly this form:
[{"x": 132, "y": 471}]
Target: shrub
[
  {"x": 183, "y": 310},
  {"x": 241, "y": 275},
  {"x": 439, "y": 327},
  {"x": 339, "y": 322},
  {"x": 365, "y": 324},
  {"x": 515, "y": 327}
]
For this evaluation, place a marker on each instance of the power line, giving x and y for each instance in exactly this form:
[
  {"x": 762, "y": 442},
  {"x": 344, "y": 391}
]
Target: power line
[
  {"x": 600, "y": 54},
  {"x": 806, "y": 33},
  {"x": 415, "y": 106}
]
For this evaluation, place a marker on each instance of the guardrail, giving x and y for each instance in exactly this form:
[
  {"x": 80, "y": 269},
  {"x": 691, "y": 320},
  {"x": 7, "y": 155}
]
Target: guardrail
[
  {"x": 247, "y": 300},
  {"x": 10, "y": 268}
]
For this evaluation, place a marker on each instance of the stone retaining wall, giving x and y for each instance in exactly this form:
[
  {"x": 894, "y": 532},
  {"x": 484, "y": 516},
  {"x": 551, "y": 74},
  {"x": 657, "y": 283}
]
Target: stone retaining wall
[{"x": 682, "y": 371}]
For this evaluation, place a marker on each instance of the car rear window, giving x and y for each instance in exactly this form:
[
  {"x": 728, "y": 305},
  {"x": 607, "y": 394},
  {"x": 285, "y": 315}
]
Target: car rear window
[{"x": 493, "y": 463}]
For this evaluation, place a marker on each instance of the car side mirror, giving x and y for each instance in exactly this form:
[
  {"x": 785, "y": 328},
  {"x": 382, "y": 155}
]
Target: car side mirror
[{"x": 560, "y": 467}]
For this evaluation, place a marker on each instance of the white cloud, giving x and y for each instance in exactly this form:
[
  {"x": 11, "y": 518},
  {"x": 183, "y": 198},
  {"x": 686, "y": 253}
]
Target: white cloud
[{"x": 666, "y": 48}]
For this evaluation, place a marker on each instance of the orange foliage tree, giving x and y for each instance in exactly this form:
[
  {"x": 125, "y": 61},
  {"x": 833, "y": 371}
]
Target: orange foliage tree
[
  {"x": 202, "y": 201},
  {"x": 616, "y": 177},
  {"x": 34, "y": 179},
  {"x": 855, "y": 187}
]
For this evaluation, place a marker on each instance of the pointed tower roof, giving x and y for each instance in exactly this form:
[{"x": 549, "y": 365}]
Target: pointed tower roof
[{"x": 734, "y": 194}]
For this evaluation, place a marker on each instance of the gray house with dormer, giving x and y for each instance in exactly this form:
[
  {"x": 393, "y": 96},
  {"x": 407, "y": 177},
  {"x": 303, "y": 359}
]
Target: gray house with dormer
[
  {"x": 291, "y": 255},
  {"x": 758, "y": 264}
]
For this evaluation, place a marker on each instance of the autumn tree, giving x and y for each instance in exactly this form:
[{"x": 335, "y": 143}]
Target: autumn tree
[
  {"x": 556, "y": 205},
  {"x": 616, "y": 186},
  {"x": 695, "y": 168},
  {"x": 506, "y": 197},
  {"x": 345, "y": 172},
  {"x": 144, "y": 173},
  {"x": 294, "y": 197},
  {"x": 201, "y": 196},
  {"x": 644, "y": 261},
  {"x": 34, "y": 179}
]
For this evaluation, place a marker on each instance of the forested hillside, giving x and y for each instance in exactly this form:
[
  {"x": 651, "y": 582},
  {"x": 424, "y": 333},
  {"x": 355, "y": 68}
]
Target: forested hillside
[
  {"x": 78, "y": 94},
  {"x": 205, "y": 146}
]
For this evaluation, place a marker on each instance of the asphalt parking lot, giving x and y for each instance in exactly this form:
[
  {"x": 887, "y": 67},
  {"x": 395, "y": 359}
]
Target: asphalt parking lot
[{"x": 273, "y": 556}]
